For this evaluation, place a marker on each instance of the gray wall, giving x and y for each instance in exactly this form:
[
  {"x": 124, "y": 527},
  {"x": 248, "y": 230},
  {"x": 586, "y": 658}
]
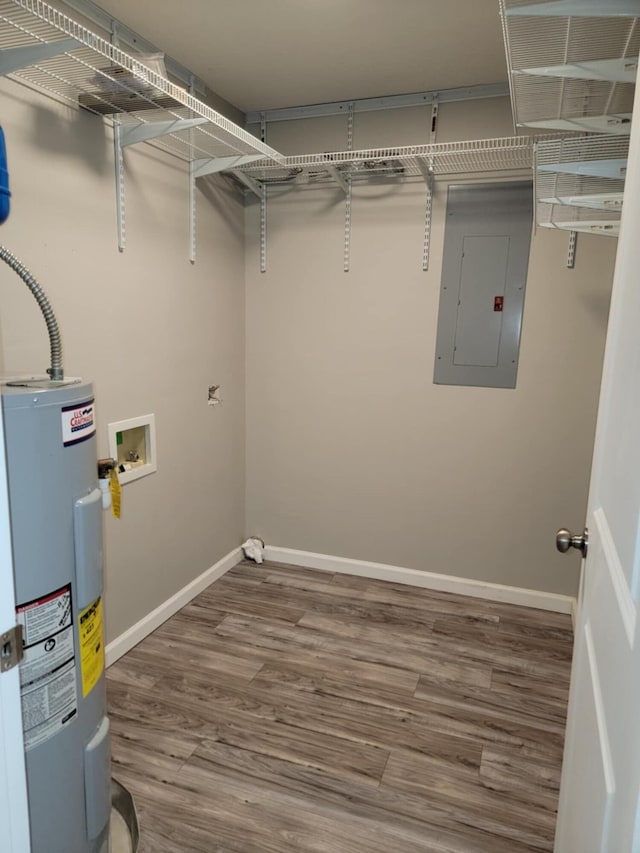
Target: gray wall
[
  {"x": 151, "y": 330},
  {"x": 351, "y": 450}
]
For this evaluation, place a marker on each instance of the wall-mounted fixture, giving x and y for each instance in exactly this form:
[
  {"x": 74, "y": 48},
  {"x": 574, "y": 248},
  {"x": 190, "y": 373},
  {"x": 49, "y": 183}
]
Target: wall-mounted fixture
[{"x": 132, "y": 443}]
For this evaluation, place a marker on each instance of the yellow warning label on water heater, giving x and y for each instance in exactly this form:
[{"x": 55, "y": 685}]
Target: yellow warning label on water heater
[{"x": 91, "y": 645}]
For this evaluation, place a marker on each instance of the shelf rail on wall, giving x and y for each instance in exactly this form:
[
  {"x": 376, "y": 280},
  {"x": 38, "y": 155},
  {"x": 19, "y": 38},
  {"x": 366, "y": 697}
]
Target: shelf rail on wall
[
  {"x": 572, "y": 67},
  {"x": 51, "y": 52}
]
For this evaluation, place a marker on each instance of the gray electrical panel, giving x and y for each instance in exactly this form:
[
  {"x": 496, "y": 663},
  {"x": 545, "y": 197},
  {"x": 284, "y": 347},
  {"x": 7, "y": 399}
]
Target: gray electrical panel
[{"x": 484, "y": 274}]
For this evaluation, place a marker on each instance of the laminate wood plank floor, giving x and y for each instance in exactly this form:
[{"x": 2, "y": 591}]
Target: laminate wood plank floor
[{"x": 287, "y": 710}]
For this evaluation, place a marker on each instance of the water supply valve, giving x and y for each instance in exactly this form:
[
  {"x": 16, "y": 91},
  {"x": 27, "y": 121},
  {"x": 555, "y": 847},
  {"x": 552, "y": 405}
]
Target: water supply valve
[
  {"x": 109, "y": 485},
  {"x": 105, "y": 466}
]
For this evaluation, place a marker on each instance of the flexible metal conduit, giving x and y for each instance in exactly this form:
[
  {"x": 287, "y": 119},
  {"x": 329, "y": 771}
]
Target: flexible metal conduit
[{"x": 55, "y": 343}]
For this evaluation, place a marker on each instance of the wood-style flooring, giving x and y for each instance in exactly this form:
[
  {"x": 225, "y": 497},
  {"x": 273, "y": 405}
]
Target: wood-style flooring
[{"x": 287, "y": 710}]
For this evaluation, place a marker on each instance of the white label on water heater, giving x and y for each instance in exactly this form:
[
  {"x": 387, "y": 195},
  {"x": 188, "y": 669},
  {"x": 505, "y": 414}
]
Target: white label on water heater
[
  {"x": 78, "y": 423},
  {"x": 48, "y": 668}
]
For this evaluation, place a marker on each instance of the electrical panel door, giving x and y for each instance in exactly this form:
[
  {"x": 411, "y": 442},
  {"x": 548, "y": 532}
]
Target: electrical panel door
[{"x": 484, "y": 273}]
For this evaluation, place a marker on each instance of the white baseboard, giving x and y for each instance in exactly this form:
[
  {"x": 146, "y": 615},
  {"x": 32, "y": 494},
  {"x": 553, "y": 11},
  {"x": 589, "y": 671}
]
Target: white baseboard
[
  {"x": 153, "y": 620},
  {"x": 324, "y": 562},
  {"x": 426, "y": 580}
]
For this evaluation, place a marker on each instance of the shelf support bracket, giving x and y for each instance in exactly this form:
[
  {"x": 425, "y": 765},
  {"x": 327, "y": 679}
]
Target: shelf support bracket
[
  {"x": 249, "y": 182},
  {"x": 210, "y": 165},
  {"x": 571, "y": 255},
  {"x": 15, "y": 58},
  {"x": 201, "y": 167},
  {"x": 339, "y": 179},
  {"x": 426, "y": 170},
  {"x": 154, "y": 129},
  {"x": 615, "y": 70}
]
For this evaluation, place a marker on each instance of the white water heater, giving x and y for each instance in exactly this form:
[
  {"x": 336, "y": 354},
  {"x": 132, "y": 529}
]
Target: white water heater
[{"x": 56, "y": 525}]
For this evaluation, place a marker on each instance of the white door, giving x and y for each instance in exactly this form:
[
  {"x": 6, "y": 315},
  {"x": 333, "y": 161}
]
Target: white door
[
  {"x": 14, "y": 821},
  {"x": 600, "y": 792}
]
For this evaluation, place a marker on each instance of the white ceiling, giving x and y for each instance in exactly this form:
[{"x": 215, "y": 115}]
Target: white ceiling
[{"x": 264, "y": 54}]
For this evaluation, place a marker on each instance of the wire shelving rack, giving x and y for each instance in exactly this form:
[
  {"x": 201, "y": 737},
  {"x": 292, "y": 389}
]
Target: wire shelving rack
[
  {"x": 573, "y": 66},
  {"x": 49, "y": 51},
  {"x": 572, "y": 63},
  {"x": 580, "y": 183}
]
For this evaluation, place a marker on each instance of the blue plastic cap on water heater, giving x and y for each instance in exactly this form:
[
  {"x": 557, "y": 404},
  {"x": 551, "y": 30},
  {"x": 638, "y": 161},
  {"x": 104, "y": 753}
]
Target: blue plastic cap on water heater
[{"x": 5, "y": 195}]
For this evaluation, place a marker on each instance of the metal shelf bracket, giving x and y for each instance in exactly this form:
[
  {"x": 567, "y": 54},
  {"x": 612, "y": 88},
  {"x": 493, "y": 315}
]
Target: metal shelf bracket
[
  {"x": 609, "y": 124},
  {"x": 339, "y": 179},
  {"x": 616, "y": 70},
  {"x": 211, "y": 165},
  {"x": 14, "y": 58},
  {"x": 155, "y": 129},
  {"x": 255, "y": 186},
  {"x": 614, "y": 167}
]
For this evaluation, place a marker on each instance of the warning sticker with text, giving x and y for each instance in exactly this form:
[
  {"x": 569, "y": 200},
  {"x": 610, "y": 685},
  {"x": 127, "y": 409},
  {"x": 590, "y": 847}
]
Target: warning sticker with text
[
  {"x": 91, "y": 645},
  {"x": 48, "y": 669}
]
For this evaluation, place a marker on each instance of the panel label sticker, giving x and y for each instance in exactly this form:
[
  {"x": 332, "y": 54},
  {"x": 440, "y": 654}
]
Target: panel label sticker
[
  {"x": 48, "y": 668},
  {"x": 91, "y": 645},
  {"x": 78, "y": 423}
]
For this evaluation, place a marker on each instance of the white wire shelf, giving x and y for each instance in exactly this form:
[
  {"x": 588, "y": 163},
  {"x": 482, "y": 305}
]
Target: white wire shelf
[
  {"x": 91, "y": 73},
  {"x": 572, "y": 64},
  {"x": 582, "y": 8},
  {"x": 505, "y": 154},
  {"x": 579, "y": 191},
  {"x": 596, "y": 156},
  {"x": 583, "y": 219},
  {"x": 579, "y": 183}
]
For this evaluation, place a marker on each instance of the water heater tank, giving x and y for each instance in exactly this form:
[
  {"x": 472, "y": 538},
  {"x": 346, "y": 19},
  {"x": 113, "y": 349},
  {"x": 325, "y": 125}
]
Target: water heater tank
[{"x": 56, "y": 525}]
